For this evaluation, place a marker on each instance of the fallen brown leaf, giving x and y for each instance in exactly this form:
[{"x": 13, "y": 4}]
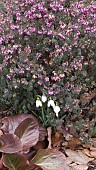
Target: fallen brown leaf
[
  {"x": 87, "y": 152},
  {"x": 94, "y": 141},
  {"x": 41, "y": 145},
  {"x": 90, "y": 153},
  {"x": 86, "y": 146},
  {"x": 57, "y": 138},
  {"x": 79, "y": 167},
  {"x": 73, "y": 143},
  {"x": 93, "y": 153},
  {"x": 1, "y": 133},
  {"x": 68, "y": 137},
  {"x": 87, "y": 97},
  {"x": 78, "y": 156},
  {"x": 93, "y": 148}
]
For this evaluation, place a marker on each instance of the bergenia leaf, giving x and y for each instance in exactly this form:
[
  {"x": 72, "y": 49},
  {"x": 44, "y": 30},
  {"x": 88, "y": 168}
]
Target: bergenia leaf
[
  {"x": 15, "y": 161},
  {"x": 11, "y": 123},
  {"x": 10, "y": 143},
  {"x": 28, "y": 132},
  {"x": 50, "y": 159}
]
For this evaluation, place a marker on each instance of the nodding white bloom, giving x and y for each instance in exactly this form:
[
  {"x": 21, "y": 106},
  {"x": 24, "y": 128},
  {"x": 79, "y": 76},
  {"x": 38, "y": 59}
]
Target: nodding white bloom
[
  {"x": 56, "y": 110},
  {"x": 51, "y": 103},
  {"x": 38, "y": 103},
  {"x": 44, "y": 98}
]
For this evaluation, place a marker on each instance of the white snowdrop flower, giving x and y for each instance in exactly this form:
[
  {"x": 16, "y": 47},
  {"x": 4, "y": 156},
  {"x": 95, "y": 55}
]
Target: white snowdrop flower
[
  {"x": 38, "y": 103},
  {"x": 44, "y": 98},
  {"x": 56, "y": 110},
  {"x": 51, "y": 103}
]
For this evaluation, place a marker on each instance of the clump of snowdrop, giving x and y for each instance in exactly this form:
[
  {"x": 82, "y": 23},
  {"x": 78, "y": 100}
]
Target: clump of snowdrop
[{"x": 49, "y": 109}]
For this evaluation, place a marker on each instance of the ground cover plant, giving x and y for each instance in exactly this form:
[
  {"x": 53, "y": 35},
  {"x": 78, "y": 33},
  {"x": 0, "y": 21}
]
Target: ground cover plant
[{"x": 48, "y": 47}]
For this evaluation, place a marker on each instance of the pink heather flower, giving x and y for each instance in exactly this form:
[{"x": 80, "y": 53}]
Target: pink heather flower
[
  {"x": 1, "y": 40},
  {"x": 8, "y": 76},
  {"x": 49, "y": 32},
  {"x": 61, "y": 36},
  {"x": 28, "y": 49},
  {"x": 0, "y": 68},
  {"x": 50, "y": 93},
  {"x": 38, "y": 55},
  {"x": 62, "y": 25},
  {"x": 40, "y": 76},
  {"x": 39, "y": 83},
  {"x": 61, "y": 8},
  {"x": 21, "y": 71},
  {"x": 51, "y": 17},
  {"x": 46, "y": 79},
  {"x": 27, "y": 68},
  {"x": 52, "y": 7},
  {"x": 40, "y": 32},
  {"x": 15, "y": 46},
  {"x": 61, "y": 75},
  {"x": 32, "y": 29},
  {"x": 55, "y": 78},
  {"x": 34, "y": 76},
  {"x": 48, "y": 24},
  {"x": 38, "y": 15}
]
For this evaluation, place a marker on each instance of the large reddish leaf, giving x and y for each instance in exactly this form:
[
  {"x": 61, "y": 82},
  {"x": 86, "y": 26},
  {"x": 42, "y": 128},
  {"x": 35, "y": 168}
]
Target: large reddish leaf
[
  {"x": 42, "y": 132},
  {"x": 1, "y": 164},
  {"x": 50, "y": 159},
  {"x": 10, "y": 143},
  {"x": 15, "y": 161},
  {"x": 11, "y": 123},
  {"x": 28, "y": 132}
]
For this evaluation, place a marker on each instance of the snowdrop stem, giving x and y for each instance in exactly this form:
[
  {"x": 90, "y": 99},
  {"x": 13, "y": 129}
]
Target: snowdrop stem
[
  {"x": 43, "y": 116},
  {"x": 48, "y": 110}
]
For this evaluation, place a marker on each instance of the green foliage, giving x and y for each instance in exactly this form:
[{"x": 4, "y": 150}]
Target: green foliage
[{"x": 47, "y": 47}]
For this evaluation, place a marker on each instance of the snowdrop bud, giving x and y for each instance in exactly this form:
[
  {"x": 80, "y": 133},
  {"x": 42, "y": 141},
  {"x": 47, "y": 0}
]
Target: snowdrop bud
[
  {"x": 44, "y": 98},
  {"x": 38, "y": 103},
  {"x": 56, "y": 110},
  {"x": 51, "y": 103}
]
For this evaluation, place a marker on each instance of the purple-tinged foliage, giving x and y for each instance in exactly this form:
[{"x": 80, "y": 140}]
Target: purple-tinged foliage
[{"x": 14, "y": 143}]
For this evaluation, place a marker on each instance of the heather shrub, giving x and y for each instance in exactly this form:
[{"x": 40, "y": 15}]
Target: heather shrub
[{"x": 47, "y": 47}]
